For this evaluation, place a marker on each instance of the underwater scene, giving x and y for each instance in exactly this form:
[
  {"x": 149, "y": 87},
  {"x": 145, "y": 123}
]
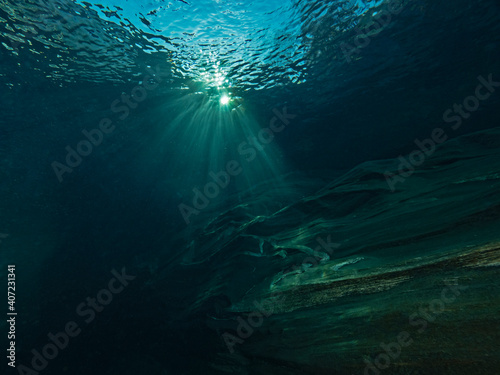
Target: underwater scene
[{"x": 262, "y": 187}]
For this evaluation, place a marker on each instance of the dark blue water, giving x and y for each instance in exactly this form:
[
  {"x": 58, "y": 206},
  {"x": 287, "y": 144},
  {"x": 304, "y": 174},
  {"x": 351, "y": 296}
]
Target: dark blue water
[{"x": 343, "y": 154}]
